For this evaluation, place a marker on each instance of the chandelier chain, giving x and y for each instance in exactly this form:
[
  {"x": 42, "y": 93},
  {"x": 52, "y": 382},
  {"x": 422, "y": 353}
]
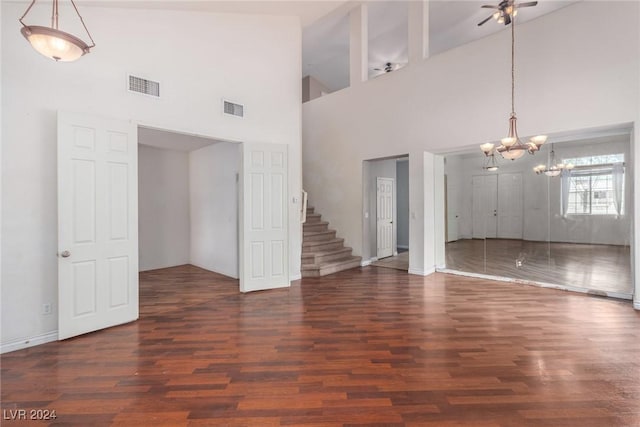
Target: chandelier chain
[
  {"x": 26, "y": 12},
  {"x": 83, "y": 24}
]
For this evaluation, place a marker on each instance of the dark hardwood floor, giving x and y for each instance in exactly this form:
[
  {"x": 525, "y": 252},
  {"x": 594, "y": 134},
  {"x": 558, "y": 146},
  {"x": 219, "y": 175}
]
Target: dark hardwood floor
[{"x": 364, "y": 347}]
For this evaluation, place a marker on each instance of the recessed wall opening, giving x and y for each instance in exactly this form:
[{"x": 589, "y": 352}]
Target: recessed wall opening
[
  {"x": 188, "y": 201},
  {"x": 571, "y": 231},
  {"x": 386, "y": 212}
]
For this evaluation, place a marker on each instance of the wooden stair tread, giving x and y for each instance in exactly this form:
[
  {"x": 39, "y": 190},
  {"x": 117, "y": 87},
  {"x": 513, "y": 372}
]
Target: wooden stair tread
[
  {"x": 317, "y": 233},
  {"x": 322, "y": 242},
  {"x": 316, "y": 223},
  {"x": 328, "y": 252},
  {"x": 347, "y": 260}
]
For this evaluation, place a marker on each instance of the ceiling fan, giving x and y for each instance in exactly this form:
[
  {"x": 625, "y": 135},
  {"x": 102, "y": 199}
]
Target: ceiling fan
[
  {"x": 388, "y": 67},
  {"x": 506, "y": 10}
]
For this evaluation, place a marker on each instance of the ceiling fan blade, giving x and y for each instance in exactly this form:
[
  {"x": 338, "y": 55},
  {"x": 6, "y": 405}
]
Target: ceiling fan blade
[
  {"x": 490, "y": 16},
  {"x": 488, "y": 6},
  {"x": 527, "y": 4}
]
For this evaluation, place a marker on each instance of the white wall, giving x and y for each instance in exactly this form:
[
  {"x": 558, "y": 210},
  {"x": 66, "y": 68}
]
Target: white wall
[
  {"x": 163, "y": 208},
  {"x": 402, "y": 185},
  {"x": 214, "y": 207},
  {"x": 198, "y": 57},
  {"x": 569, "y": 77}
]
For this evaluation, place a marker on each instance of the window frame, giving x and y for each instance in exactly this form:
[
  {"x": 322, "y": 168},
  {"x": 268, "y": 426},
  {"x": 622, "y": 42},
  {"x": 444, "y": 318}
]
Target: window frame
[{"x": 593, "y": 170}]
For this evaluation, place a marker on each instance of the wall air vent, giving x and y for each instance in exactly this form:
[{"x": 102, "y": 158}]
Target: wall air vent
[
  {"x": 144, "y": 86},
  {"x": 233, "y": 109}
]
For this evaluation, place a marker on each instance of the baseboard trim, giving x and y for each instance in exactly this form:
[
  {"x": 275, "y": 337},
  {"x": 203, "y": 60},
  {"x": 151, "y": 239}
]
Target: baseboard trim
[
  {"x": 23, "y": 343},
  {"x": 294, "y": 277},
  {"x": 367, "y": 262},
  {"x": 403, "y": 247},
  {"x": 419, "y": 272},
  {"x": 636, "y": 305},
  {"x": 233, "y": 275}
]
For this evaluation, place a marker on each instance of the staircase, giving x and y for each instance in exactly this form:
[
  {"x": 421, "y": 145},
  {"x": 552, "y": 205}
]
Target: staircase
[{"x": 322, "y": 252}]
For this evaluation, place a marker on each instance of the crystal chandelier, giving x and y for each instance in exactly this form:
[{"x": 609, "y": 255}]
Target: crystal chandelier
[
  {"x": 511, "y": 147},
  {"x": 53, "y": 42}
]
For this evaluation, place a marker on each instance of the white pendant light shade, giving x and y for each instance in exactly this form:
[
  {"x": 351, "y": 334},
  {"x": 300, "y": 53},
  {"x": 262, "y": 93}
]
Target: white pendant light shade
[
  {"x": 512, "y": 154},
  {"x": 55, "y": 44},
  {"x": 509, "y": 141},
  {"x": 487, "y": 148},
  {"x": 538, "y": 140},
  {"x": 553, "y": 172}
]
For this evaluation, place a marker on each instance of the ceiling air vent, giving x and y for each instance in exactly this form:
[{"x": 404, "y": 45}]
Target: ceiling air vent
[
  {"x": 144, "y": 86},
  {"x": 233, "y": 109}
]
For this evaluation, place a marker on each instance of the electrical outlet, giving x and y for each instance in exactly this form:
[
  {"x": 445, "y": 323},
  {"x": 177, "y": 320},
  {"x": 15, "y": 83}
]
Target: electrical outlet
[{"x": 46, "y": 308}]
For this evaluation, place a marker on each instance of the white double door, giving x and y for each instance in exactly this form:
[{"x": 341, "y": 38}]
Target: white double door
[
  {"x": 497, "y": 206},
  {"x": 98, "y": 222}
]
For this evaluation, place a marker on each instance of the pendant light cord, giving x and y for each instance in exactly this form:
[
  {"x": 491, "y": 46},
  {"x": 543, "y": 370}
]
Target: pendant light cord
[
  {"x": 513, "y": 66},
  {"x": 54, "y": 15}
]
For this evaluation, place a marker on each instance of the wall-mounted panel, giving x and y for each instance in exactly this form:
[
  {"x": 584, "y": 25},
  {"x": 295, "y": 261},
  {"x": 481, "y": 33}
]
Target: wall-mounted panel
[
  {"x": 84, "y": 201},
  {"x": 84, "y": 288},
  {"x": 118, "y": 281},
  {"x": 118, "y": 201}
]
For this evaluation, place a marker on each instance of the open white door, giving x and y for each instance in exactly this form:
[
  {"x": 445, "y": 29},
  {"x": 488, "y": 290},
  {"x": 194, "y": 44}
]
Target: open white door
[
  {"x": 97, "y": 223},
  {"x": 384, "y": 203},
  {"x": 264, "y": 254}
]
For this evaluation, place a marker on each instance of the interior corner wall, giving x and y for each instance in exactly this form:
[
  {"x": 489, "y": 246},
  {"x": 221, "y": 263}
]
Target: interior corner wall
[
  {"x": 163, "y": 208},
  {"x": 312, "y": 88},
  {"x": 204, "y": 66},
  {"x": 587, "y": 79},
  {"x": 213, "y": 183},
  {"x": 402, "y": 185}
]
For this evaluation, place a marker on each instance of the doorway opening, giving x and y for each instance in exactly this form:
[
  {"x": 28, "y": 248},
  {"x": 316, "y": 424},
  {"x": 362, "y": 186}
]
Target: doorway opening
[
  {"x": 386, "y": 212},
  {"x": 187, "y": 201}
]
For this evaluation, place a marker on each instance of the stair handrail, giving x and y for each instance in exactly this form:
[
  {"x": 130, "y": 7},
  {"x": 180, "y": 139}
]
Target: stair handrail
[{"x": 303, "y": 214}]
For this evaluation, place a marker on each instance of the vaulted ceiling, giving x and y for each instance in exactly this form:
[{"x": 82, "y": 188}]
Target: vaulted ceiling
[{"x": 452, "y": 23}]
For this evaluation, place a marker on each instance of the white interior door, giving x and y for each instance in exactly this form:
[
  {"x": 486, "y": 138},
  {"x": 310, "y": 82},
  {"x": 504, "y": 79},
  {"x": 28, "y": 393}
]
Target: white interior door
[
  {"x": 97, "y": 223},
  {"x": 510, "y": 206},
  {"x": 264, "y": 255},
  {"x": 384, "y": 204},
  {"x": 485, "y": 206}
]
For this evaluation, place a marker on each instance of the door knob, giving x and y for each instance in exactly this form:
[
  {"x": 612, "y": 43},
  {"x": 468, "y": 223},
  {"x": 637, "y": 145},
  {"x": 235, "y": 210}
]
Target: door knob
[{"x": 65, "y": 254}]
